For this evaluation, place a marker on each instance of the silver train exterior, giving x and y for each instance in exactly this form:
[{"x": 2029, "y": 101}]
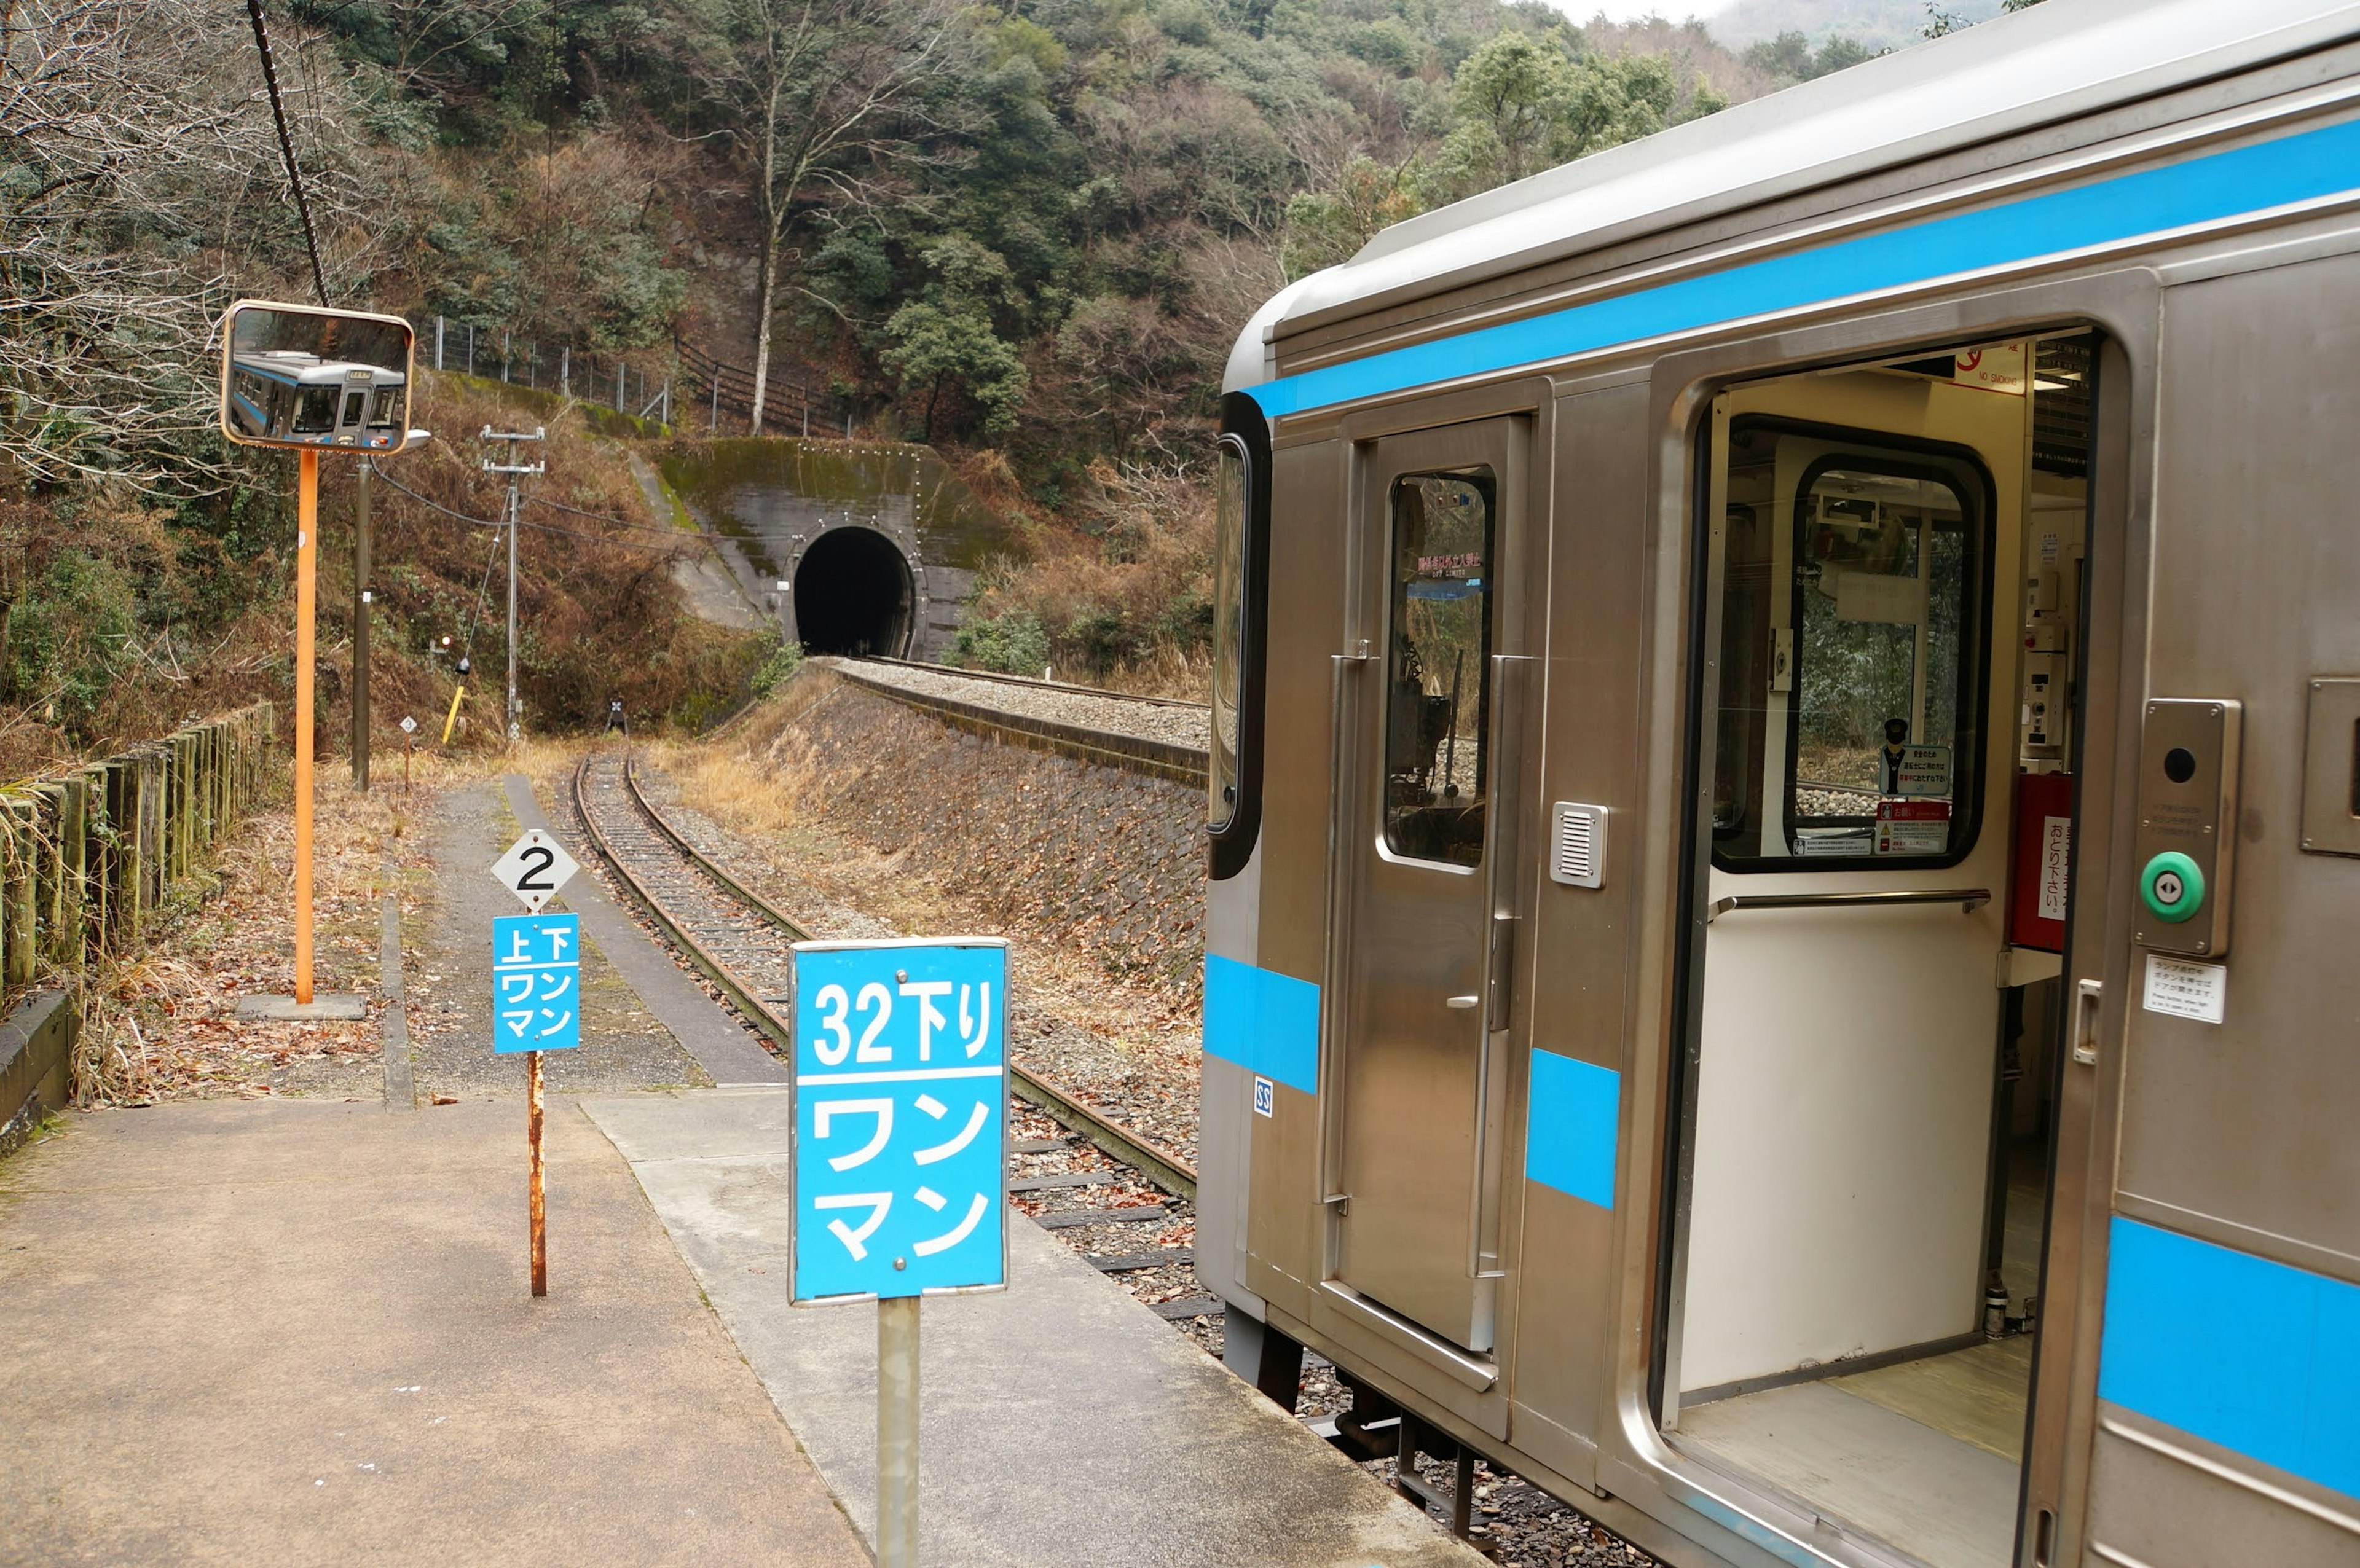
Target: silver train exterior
[
  {"x": 1786, "y": 854},
  {"x": 287, "y": 395}
]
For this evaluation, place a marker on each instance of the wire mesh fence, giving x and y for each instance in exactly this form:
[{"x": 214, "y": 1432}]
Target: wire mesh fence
[{"x": 678, "y": 384}]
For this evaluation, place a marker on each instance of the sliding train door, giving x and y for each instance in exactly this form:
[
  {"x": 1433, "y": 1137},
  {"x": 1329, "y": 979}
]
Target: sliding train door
[
  {"x": 1432, "y": 732},
  {"x": 1892, "y": 557}
]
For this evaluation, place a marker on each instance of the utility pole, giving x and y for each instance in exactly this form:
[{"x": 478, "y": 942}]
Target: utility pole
[
  {"x": 361, "y": 600},
  {"x": 515, "y": 470}
]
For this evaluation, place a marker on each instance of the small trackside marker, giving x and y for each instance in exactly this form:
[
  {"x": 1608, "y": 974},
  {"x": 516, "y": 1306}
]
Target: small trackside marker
[{"x": 1265, "y": 1096}]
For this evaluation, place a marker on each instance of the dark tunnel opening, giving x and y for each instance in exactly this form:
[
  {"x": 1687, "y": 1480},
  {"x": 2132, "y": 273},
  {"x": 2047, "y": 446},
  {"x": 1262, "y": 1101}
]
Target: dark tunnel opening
[{"x": 852, "y": 594}]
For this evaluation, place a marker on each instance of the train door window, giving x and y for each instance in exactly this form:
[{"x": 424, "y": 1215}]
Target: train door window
[
  {"x": 1853, "y": 648},
  {"x": 1437, "y": 665},
  {"x": 315, "y": 411}
]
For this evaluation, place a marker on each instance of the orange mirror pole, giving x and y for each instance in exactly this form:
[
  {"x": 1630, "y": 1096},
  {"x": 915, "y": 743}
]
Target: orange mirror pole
[{"x": 307, "y": 592}]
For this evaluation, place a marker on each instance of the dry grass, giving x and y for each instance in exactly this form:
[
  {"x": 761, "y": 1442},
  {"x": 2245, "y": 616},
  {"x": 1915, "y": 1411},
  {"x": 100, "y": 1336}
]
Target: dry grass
[{"x": 160, "y": 1018}]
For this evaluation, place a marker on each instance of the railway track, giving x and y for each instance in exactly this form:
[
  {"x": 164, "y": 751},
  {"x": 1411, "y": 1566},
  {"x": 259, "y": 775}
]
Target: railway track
[
  {"x": 1161, "y": 737},
  {"x": 1082, "y": 1175},
  {"x": 964, "y": 673}
]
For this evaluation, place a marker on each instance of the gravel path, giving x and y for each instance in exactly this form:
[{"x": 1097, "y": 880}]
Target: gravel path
[{"x": 1174, "y": 723}]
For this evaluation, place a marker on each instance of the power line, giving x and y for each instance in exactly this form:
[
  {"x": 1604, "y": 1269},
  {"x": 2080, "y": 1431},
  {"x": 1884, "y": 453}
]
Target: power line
[
  {"x": 672, "y": 535},
  {"x": 287, "y": 148}
]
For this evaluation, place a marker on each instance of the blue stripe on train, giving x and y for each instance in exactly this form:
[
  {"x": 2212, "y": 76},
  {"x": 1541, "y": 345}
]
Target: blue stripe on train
[
  {"x": 2209, "y": 189},
  {"x": 1266, "y": 1022},
  {"x": 1570, "y": 1116},
  {"x": 2258, "y": 1356}
]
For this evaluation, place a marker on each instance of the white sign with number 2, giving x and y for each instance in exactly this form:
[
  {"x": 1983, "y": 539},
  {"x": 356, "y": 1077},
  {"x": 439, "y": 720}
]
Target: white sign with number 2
[{"x": 535, "y": 868}]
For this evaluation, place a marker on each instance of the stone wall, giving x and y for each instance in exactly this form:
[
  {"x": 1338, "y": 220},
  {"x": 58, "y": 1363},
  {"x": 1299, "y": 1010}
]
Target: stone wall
[{"x": 1108, "y": 861}]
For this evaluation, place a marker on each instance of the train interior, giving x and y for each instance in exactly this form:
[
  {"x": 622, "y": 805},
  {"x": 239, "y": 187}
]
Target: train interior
[{"x": 1894, "y": 591}]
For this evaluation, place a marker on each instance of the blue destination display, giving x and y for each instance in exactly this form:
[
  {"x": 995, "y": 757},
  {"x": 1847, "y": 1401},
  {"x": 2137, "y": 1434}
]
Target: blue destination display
[
  {"x": 536, "y": 983},
  {"x": 901, "y": 1118}
]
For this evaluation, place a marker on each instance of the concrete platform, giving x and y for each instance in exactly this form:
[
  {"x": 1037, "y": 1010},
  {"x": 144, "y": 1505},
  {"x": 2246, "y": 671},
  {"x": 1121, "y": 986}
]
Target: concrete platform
[
  {"x": 1063, "y": 1421},
  {"x": 300, "y": 1333}
]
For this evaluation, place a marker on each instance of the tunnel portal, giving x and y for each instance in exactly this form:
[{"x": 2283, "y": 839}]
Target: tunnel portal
[{"x": 853, "y": 594}]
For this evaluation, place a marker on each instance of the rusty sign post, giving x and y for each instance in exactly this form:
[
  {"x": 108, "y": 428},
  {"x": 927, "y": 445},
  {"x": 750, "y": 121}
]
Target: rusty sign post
[{"x": 536, "y": 1000}]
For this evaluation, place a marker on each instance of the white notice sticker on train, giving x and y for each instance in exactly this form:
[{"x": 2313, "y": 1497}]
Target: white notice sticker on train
[
  {"x": 1265, "y": 1097},
  {"x": 2185, "y": 990}
]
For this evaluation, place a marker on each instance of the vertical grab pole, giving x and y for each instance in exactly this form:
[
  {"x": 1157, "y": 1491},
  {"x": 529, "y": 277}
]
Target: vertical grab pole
[
  {"x": 897, "y": 1431},
  {"x": 536, "y": 1203},
  {"x": 307, "y": 586}
]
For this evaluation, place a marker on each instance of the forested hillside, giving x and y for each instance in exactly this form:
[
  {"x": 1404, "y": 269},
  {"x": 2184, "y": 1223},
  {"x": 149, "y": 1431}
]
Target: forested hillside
[{"x": 1026, "y": 233}]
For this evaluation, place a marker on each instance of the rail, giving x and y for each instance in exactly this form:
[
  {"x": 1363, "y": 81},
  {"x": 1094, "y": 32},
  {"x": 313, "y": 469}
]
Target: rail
[
  {"x": 963, "y": 673},
  {"x": 1135, "y": 753},
  {"x": 1165, "y": 1168},
  {"x": 1969, "y": 900}
]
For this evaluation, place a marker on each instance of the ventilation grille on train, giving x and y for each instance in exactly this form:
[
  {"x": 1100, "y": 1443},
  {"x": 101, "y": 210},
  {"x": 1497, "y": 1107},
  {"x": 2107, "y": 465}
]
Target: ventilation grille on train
[{"x": 1578, "y": 845}]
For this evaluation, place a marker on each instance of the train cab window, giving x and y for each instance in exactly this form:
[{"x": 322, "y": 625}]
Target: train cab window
[
  {"x": 1851, "y": 584},
  {"x": 315, "y": 411},
  {"x": 1233, "y": 488},
  {"x": 384, "y": 413},
  {"x": 1437, "y": 664}
]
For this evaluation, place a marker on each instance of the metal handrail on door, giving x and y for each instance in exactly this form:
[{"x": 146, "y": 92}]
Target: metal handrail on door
[{"x": 1969, "y": 900}]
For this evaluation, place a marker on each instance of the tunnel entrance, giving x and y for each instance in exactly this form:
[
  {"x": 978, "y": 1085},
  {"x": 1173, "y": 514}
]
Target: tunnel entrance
[{"x": 852, "y": 594}]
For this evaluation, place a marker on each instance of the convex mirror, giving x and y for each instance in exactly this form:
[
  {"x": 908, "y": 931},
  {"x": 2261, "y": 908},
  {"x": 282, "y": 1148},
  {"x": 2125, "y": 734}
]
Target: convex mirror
[{"x": 295, "y": 376}]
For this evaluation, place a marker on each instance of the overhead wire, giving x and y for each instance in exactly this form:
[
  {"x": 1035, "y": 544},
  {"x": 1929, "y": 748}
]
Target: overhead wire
[
  {"x": 672, "y": 536},
  {"x": 287, "y": 149}
]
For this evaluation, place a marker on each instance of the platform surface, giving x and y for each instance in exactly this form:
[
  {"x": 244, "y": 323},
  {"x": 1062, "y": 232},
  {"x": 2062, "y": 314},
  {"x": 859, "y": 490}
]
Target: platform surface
[
  {"x": 1062, "y": 1423},
  {"x": 300, "y": 1333}
]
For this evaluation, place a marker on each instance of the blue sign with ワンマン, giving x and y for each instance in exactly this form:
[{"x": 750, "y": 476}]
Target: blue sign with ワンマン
[
  {"x": 901, "y": 1117},
  {"x": 536, "y": 983}
]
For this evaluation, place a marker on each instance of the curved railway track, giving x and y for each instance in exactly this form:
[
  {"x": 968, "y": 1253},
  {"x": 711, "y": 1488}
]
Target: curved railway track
[
  {"x": 964, "y": 673},
  {"x": 744, "y": 947}
]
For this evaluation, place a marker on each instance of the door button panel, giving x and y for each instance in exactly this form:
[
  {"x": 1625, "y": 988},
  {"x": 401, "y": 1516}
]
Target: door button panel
[{"x": 2187, "y": 824}]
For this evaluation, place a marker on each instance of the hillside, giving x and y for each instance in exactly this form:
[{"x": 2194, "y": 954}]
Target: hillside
[
  {"x": 1879, "y": 24},
  {"x": 1026, "y": 234}
]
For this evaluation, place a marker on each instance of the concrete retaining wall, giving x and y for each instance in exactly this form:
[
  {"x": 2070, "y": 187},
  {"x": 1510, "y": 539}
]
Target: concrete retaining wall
[{"x": 1102, "y": 859}]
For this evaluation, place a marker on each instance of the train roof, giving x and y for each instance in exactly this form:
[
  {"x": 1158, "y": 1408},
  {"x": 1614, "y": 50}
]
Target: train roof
[{"x": 2053, "y": 62}]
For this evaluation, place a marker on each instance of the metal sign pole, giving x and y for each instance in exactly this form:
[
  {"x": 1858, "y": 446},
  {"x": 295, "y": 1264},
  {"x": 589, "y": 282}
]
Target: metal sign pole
[
  {"x": 361, "y": 604},
  {"x": 307, "y": 594},
  {"x": 900, "y": 1159},
  {"x": 536, "y": 1202},
  {"x": 897, "y": 1431},
  {"x": 536, "y": 998}
]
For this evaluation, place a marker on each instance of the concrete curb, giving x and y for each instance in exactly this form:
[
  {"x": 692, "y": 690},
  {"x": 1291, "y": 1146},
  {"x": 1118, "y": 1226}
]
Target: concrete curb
[{"x": 35, "y": 1043}]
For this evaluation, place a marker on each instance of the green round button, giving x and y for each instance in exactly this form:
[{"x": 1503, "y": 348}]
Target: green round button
[{"x": 2173, "y": 887}]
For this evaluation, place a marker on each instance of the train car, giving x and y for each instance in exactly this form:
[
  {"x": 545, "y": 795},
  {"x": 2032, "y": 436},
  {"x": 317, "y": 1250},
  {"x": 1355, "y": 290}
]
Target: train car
[
  {"x": 1785, "y": 821},
  {"x": 285, "y": 395}
]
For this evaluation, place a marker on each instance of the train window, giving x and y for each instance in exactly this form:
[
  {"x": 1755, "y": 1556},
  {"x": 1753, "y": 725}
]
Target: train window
[
  {"x": 1233, "y": 488},
  {"x": 1439, "y": 665},
  {"x": 384, "y": 414},
  {"x": 315, "y": 411},
  {"x": 1851, "y": 647},
  {"x": 356, "y": 403}
]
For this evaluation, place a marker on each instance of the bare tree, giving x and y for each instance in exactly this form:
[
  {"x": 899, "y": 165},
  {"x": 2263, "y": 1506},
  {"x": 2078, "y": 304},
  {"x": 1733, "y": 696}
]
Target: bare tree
[
  {"x": 819, "y": 95},
  {"x": 140, "y": 182}
]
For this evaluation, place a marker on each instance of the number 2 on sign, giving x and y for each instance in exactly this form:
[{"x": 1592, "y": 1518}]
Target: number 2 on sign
[{"x": 537, "y": 860}]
